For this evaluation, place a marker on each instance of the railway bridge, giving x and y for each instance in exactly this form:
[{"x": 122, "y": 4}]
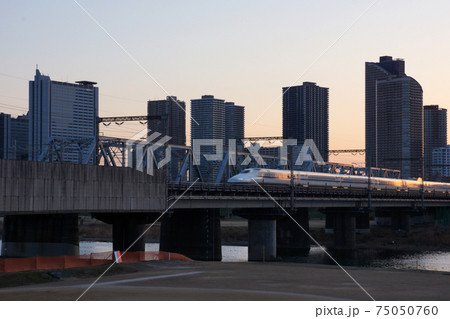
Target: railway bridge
[{"x": 41, "y": 201}]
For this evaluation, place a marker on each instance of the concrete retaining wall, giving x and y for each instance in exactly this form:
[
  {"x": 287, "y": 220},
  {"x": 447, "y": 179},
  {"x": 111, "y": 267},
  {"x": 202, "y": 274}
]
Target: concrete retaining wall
[{"x": 40, "y": 187}]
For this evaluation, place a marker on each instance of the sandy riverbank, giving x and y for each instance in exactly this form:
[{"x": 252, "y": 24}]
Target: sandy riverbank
[{"x": 228, "y": 281}]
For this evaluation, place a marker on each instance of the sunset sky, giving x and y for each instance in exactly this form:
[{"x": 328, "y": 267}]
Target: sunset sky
[{"x": 241, "y": 51}]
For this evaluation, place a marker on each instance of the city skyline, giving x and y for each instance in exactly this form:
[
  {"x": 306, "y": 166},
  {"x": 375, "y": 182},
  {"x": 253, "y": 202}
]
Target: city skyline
[
  {"x": 226, "y": 151},
  {"x": 268, "y": 57}
]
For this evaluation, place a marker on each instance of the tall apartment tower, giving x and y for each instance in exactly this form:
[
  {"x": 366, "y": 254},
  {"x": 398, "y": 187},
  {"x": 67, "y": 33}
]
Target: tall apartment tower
[
  {"x": 234, "y": 123},
  {"x": 400, "y": 125},
  {"x": 209, "y": 113},
  {"x": 168, "y": 117},
  {"x": 60, "y": 110},
  {"x": 216, "y": 119},
  {"x": 394, "y": 118},
  {"x": 377, "y": 71},
  {"x": 435, "y": 134},
  {"x": 305, "y": 115}
]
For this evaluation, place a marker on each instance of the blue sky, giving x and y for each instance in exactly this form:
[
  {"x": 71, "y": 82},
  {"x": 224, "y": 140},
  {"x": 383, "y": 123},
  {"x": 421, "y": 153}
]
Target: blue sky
[{"x": 241, "y": 51}]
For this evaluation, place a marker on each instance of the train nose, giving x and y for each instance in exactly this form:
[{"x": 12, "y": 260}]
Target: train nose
[{"x": 235, "y": 179}]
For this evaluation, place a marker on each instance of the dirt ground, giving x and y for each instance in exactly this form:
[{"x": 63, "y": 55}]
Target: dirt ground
[{"x": 228, "y": 281}]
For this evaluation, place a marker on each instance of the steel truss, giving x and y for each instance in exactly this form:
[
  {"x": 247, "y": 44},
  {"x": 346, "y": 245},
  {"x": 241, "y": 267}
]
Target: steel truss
[
  {"x": 121, "y": 153},
  {"x": 57, "y": 148}
]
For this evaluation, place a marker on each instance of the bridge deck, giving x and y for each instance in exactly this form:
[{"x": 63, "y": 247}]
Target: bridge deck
[{"x": 246, "y": 196}]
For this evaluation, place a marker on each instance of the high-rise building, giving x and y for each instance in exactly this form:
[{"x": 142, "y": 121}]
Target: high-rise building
[
  {"x": 207, "y": 122},
  {"x": 13, "y": 137},
  {"x": 400, "y": 125},
  {"x": 5, "y": 135},
  {"x": 377, "y": 71},
  {"x": 435, "y": 134},
  {"x": 209, "y": 113},
  {"x": 60, "y": 110},
  {"x": 440, "y": 160},
  {"x": 234, "y": 123},
  {"x": 168, "y": 117},
  {"x": 19, "y": 137},
  {"x": 305, "y": 115},
  {"x": 394, "y": 118},
  {"x": 212, "y": 118}
]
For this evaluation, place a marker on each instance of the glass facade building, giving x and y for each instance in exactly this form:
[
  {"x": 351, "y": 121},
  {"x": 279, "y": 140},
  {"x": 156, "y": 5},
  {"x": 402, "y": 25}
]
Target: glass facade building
[{"x": 62, "y": 111}]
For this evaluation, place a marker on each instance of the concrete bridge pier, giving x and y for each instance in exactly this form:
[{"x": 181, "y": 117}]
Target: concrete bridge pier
[
  {"x": 397, "y": 218},
  {"x": 291, "y": 239},
  {"x": 262, "y": 239},
  {"x": 194, "y": 233},
  {"x": 127, "y": 227},
  {"x": 344, "y": 231},
  {"x": 262, "y": 232},
  {"x": 125, "y": 233},
  {"x": 40, "y": 235},
  {"x": 362, "y": 222},
  {"x": 344, "y": 227},
  {"x": 401, "y": 220}
]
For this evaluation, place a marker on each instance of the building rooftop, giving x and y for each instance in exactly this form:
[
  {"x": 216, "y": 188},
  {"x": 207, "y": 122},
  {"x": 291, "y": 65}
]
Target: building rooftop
[{"x": 86, "y": 83}]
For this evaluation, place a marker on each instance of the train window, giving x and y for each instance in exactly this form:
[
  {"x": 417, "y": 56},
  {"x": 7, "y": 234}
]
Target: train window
[{"x": 245, "y": 171}]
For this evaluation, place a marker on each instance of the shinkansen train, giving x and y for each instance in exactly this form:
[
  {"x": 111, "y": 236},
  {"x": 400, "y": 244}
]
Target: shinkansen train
[{"x": 311, "y": 179}]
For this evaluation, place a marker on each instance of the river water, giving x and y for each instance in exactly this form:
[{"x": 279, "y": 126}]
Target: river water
[{"x": 436, "y": 261}]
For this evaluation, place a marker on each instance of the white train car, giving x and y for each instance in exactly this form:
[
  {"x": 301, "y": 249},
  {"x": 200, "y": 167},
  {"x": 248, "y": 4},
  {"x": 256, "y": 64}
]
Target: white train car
[{"x": 311, "y": 179}]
